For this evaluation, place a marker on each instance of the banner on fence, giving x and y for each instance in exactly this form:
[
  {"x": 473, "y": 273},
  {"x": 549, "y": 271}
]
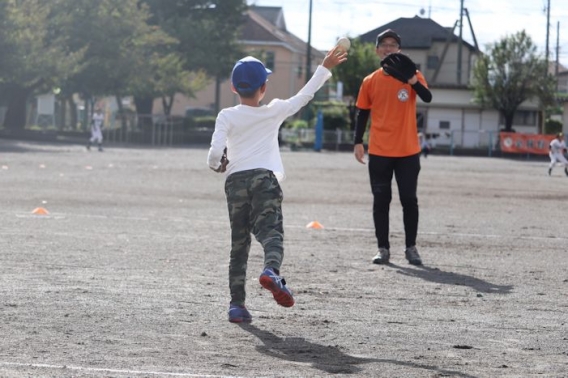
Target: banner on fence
[{"x": 525, "y": 143}]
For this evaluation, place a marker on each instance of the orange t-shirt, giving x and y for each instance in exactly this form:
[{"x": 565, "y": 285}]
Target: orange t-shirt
[{"x": 393, "y": 130}]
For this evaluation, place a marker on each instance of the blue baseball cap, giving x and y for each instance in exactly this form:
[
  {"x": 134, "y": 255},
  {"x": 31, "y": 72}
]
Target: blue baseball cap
[{"x": 249, "y": 74}]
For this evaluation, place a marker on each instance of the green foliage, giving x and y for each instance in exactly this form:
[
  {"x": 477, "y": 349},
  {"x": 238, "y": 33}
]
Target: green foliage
[
  {"x": 35, "y": 53},
  {"x": 297, "y": 124},
  {"x": 206, "y": 122},
  {"x": 35, "y": 49},
  {"x": 335, "y": 115},
  {"x": 123, "y": 51},
  {"x": 552, "y": 126},
  {"x": 511, "y": 73},
  {"x": 362, "y": 61},
  {"x": 207, "y": 31},
  {"x": 335, "y": 118},
  {"x": 145, "y": 48}
]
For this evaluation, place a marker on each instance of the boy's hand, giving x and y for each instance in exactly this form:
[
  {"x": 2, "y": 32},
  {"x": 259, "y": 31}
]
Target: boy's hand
[
  {"x": 334, "y": 57},
  {"x": 224, "y": 162}
]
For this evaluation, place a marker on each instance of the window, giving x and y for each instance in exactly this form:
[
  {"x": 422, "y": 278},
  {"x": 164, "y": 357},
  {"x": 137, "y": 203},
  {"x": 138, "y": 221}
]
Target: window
[
  {"x": 269, "y": 60},
  {"x": 444, "y": 125},
  {"x": 433, "y": 62}
]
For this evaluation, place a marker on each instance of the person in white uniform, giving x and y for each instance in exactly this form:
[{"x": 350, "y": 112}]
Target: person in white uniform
[
  {"x": 97, "y": 129},
  {"x": 557, "y": 148},
  {"x": 249, "y": 132}
]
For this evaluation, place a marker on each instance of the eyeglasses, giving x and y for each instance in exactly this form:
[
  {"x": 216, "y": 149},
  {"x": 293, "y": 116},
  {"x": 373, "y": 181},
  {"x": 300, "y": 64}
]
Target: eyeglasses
[{"x": 388, "y": 45}]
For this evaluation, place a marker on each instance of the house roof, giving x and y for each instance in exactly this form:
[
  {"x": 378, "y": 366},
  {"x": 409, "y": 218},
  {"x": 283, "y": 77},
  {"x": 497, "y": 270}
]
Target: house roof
[
  {"x": 416, "y": 33},
  {"x": 275, "y": 15},
  {"x": 266, "y": 25}
]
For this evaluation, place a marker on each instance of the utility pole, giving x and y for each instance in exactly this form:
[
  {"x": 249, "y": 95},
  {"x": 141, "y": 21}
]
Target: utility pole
[
  {"x": 557, "y": 46},
  {"x": 543, "y": 112},
  {"x": 547, "y": 33},
  {"x": 304, "y": 112},
  {"x": 460, "y": 42},
  {"x": 557, "y": 53},
  {"x": 309, "y": 52}
]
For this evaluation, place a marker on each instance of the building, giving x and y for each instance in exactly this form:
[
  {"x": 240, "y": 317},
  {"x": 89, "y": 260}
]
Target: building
[{"x": 447, "y": 63}]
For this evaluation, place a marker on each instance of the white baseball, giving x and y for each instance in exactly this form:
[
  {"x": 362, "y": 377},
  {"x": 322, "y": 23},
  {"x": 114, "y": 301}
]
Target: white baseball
[{"x": 344, "y": 44}]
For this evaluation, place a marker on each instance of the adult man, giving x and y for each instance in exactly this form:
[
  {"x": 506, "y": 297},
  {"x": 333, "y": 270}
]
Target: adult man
[
  {"x": 557, "y": 148},
  {"x": 393, "y": 145}
]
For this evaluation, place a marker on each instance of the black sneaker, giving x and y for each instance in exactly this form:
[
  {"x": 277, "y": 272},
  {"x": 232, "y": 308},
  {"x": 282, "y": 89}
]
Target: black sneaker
[
  {"x": 382, "y": 257},
  {"x": 412, "y": 256},
  {"x": 549, "y": 171}
]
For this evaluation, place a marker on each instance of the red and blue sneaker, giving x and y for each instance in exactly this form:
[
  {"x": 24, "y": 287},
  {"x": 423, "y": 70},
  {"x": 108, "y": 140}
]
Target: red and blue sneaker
[
  {"x": 239, "y": 314},
  {"x": 277, "y": 286}
]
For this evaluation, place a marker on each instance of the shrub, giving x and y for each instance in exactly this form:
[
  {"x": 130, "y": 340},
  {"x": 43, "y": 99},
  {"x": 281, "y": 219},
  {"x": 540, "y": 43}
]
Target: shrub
[
  {"x": 298, "y": 124},
  {"x": 335, "y": 118},
  {"x": 552, "y": 126},
  {"x": 205, "y": 122}
]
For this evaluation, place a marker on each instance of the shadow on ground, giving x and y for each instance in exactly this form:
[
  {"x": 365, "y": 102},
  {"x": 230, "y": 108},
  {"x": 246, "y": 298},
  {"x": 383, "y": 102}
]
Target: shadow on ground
[
  {"x": 450, "y": 278},
  {"x": 13, "y": 146},
  {"x": 325, "y": 358}
]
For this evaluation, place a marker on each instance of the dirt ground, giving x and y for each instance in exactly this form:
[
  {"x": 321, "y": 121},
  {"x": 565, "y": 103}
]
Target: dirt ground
[{"x": 127, "y": 274}]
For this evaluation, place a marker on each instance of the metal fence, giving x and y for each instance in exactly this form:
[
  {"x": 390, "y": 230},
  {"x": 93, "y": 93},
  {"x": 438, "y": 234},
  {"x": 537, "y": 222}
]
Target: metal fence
[
  {"x": 486, "y": 142},
  {"x": 155, "y": 130},
  {"x": 452, "y": 142},
  {"x": 303, "y": 138}
]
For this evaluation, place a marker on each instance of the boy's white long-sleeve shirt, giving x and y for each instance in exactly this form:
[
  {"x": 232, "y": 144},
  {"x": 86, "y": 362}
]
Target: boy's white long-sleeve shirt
[
  {"x": 251, "y": 133},
  {"x": 557, "y": 147}
]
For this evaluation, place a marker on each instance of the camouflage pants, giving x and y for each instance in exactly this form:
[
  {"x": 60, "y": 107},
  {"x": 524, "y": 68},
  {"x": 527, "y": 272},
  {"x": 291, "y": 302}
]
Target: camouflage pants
[{"x": 254, "y": 199}]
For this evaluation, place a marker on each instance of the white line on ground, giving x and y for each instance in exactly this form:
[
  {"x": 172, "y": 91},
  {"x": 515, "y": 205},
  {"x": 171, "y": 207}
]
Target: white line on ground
[
  {"x": 488, "y": 236},
  {"x": 347, "y": 229},
  {"x": 117, "y": 371}
]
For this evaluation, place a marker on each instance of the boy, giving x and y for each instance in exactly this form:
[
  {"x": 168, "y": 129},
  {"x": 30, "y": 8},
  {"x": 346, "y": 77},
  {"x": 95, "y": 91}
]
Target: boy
[
  {"x": 556, "y": 148},
  {"x": 96, "y": 129},
  {"x": 249, "y": 134}
]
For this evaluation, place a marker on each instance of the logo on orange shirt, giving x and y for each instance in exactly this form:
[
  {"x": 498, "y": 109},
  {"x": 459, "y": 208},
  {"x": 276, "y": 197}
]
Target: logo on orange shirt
[{"x": 403, "y": 95}]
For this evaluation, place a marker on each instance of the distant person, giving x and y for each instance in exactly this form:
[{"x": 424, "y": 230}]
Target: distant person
[
  {"x": 424, "y": 145},
  {"x": 247, "y": 135},
  {"x": 393, "y": 146},
  {"x": 557, "y": 148},
  {"x": 97, "y": 123}
]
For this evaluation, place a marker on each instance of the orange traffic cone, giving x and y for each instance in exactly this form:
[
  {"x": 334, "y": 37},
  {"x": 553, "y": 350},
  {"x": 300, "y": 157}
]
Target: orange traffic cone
[
  {"x": 315, "y": 224},
  {"x": 40, "y": 211}
]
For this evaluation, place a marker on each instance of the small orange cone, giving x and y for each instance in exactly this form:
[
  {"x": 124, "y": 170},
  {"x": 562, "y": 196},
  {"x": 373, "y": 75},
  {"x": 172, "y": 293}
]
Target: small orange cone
[
  {"x": 315, "y": 224},
  {"x": 40, "y": 211}
]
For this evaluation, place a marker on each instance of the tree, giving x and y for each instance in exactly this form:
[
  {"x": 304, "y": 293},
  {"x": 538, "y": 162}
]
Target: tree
[
  {"x": 362, "y": 61},
  {"x": 35, "y": 54},
  {"x": 207, "y": 31},
  {"x": 509, "y": 74},
  {"x": 123, "y": 52}
]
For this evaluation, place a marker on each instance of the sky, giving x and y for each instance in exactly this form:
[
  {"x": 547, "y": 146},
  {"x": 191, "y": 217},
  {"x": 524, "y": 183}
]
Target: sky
[{"x": 491, "y": 19}]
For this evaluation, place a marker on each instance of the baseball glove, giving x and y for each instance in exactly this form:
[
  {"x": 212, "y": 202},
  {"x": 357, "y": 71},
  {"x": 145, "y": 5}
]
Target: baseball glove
[
  {"x": 399, "y": 66},
  {"x": 224, "y": 162}
]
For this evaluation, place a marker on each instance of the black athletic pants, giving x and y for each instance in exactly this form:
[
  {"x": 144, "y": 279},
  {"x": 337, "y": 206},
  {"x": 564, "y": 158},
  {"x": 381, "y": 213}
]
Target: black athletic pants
[{"x": 405, "y": 171}]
